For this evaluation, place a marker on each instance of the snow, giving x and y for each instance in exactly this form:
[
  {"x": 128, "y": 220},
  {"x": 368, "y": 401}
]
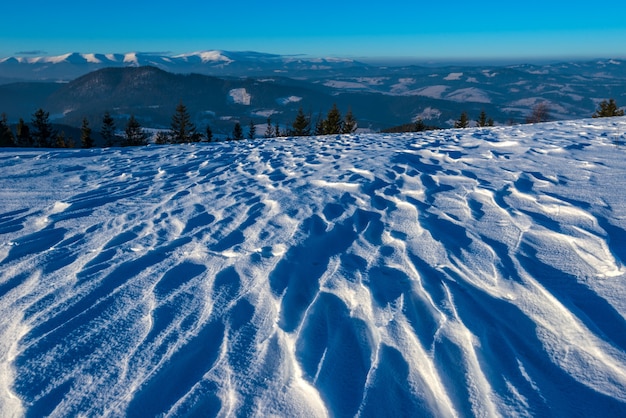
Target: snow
[
  {"x": 475, "y": 272},
  {"x": 131, "y": 58},
  {"x": 91, "y": 58},
  {"x": 286, "y": 100},
  {"x": 240, "y": 96},
  {"x": 453, "y": 76},
  {"x": 434, "y": 92},
  {"x": 207, "y": 56},
  {"x": 470, "y": 94}
]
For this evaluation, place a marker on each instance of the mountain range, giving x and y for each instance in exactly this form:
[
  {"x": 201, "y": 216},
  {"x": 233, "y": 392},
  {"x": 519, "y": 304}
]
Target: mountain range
[{"x": 222, "y": 87}]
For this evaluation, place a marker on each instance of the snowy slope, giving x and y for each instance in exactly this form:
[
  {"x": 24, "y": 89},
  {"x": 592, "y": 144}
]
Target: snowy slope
[{"x": 453, "y": 273}]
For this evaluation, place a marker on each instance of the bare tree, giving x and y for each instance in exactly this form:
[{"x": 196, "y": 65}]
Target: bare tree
[{"x": 540, "y": 113}]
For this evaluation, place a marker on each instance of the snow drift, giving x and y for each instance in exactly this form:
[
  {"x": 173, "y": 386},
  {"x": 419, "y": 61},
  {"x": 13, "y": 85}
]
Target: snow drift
[{"x": 474, "y": 272}]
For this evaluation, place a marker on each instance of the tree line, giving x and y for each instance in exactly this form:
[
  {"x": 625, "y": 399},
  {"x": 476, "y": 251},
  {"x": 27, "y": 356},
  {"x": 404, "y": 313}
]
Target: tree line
[
  {"x": 541, "y": 113},
  {"x": 40, "y": 133}
]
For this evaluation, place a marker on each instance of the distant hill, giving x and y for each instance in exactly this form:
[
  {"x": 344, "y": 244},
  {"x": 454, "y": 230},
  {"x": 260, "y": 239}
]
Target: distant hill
[{"x": 220, "y": 88}]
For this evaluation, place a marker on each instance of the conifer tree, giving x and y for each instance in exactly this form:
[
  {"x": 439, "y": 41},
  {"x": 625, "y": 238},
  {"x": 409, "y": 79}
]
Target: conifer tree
[
  {"x": 237, "y": 132},
  {"x": 42, "y": 129},
  {"x": 6, "y": 135},
  {"x": 183, "y": 130},
  {"x": 301, "y": 126},
  {"x": 23, "y": 134},
  {"x": 277, "y": 130},
  {"x": 251, "y": 130},
  {"x": 349, "y": 123},
  {"x": 108, "y": 130},
  {"x": 60, "y": 141},
  {"x": 209, "y": 134},
  {"x": 463, "y": 121},
  {"x": 419, "y": 125},
  {"x": 607, "y": 110},
  {"x": 333, "y": 123},
  {"x": 161, "y": 138},
  {"x": 135, "y": 135},
  {"x": 269, "y": 130},
  {"x": 319, "y": 125},
  {"x": 483, "y": 120},
  {"x": 86, "y": 140}
]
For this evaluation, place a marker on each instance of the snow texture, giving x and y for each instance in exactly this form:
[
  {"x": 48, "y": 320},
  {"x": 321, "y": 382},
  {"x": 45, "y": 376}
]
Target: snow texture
[
  {"x": 240, "y": 96},
  {"x": 475, "y": 272}
]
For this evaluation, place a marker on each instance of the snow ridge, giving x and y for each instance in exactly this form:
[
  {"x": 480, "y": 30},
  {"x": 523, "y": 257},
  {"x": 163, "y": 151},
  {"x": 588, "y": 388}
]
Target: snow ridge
[{"x": 475, "y": 272}]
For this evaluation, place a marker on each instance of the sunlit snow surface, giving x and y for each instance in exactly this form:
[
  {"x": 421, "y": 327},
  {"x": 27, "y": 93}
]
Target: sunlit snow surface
[{"x": 474, "y": 272}]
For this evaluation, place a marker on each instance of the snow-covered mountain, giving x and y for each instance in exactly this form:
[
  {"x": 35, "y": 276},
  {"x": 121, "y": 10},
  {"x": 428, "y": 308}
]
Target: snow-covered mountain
[
  {"x": 475, "y": 272},
  {"x": 382, "y": 97},
  {"x": 211, "y": 62}
]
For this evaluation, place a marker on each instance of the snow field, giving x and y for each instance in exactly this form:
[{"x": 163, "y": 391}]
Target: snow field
[{"x": 475, "y": 272}]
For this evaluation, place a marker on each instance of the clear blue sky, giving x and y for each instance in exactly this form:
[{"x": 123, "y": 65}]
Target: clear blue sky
[{"x": 417, "y": 29}]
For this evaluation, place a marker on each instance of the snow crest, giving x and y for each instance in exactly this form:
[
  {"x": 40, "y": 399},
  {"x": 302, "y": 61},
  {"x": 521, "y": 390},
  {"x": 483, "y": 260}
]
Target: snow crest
[{"x": 475, "y": 272}]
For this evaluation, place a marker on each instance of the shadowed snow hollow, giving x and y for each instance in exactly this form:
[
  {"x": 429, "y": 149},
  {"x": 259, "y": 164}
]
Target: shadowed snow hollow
[{"x": 453, "y": 273}]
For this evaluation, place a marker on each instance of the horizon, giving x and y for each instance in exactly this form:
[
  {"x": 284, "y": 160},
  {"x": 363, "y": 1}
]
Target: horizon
[
  {"x": 416, "y": 32},
  {"x": 380, "y": 61}
]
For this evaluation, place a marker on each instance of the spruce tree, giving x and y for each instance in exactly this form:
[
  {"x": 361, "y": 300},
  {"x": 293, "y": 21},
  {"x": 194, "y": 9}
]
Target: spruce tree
[
  {"x": 6, "y": 135},
  {"x": 42, "y": 129},
  {"x": 333, "y": 123},
  {"x": 277, "y": 130},
  {"x": 237, "y": 132},
  {"x": 608, "y": 109},
  {"x": 483, "y": 120},
  {"x": 86, "y": 140},
  {"x": 349, "y": 123},
  {"x": 183, "y": 130},
  {"x": 161, "y": 138},
  {"x": 23, "y": 135},
  {"x": 269, "y": 130},
  {"x": 60, "y": 141},
  {"x": 463, "y": 121},
  {"x": 419, "y": 125},
  {"x": 108, "y": 130},
  {"x": 135, "y": 135},
  {"x": 319, "y": 125},
  {"x": 251, "y": 130},
  {"x": 209, "y": 134},
  {"x": 301, "y": 126}
]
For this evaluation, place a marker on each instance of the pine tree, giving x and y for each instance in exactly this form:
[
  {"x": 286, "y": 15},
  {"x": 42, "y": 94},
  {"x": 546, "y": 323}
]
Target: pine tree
[
  {"x": 463, "y": 121},
  {"x": 108, "y": 130},
  {"x": 60, "y": 140},
  {"x": 209, "y": 134},
  {"x": 269, "y": 131},
  {"x": 237, "y": 132},
  {"x": 6, "y": 135},
  {"x": 420, "y": 126},
  {"x": 319, "y": 125},
  {"x": 42, "y": 129},
  {"x": 86, "y": 140},
  {"x": 277, "y": 130},
  {"x": 161, "y": 138},
  {"x": 349, "y": 123},
  {"x": 23, "y": 135},
  {"x": 183, "y": 130},
  {"x": 251, "y": 130},
  {"x": 301, "y": 126},
  {"x": 333, "y": 123},
  {"x": 607, "y": 110},
  {"x": 135, "y": 135}
]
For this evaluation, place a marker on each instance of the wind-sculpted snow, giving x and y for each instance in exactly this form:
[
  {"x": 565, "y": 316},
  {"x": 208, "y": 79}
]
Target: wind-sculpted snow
[{"x": 474, "y": 272}]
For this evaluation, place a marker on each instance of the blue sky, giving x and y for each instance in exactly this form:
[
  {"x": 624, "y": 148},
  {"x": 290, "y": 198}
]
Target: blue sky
[{"x": 410, "y": 29}]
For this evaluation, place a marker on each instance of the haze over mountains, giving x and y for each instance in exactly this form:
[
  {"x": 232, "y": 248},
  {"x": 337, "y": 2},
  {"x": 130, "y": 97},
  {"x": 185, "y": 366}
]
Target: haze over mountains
[{"x": 243, "y": 86}]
